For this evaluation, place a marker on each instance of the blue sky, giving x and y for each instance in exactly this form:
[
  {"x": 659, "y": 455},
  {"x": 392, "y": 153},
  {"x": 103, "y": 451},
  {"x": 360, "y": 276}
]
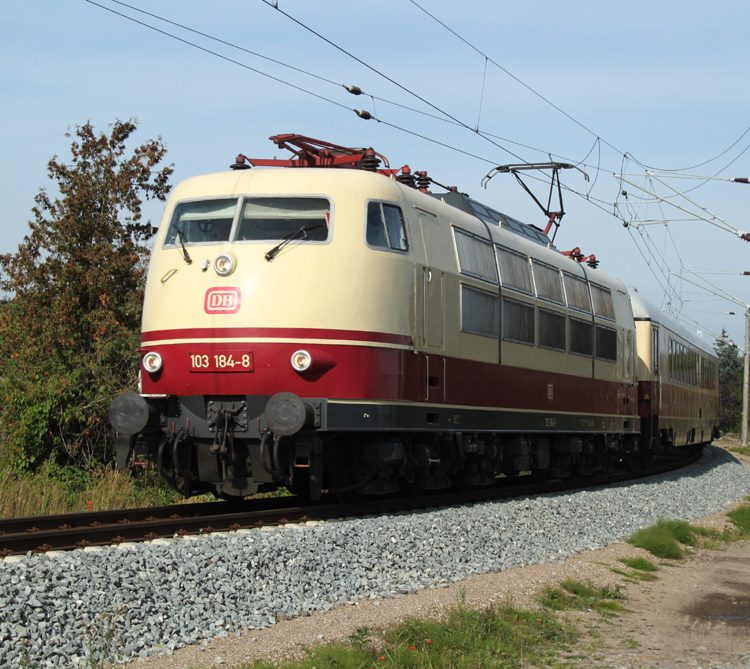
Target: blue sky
[{"x": 664, "y": 82}]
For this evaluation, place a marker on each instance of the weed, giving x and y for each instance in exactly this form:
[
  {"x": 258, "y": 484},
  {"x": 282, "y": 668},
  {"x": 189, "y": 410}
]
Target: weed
[
  {"x": 461, "y": 596},
  {"x": 54, "y": 489},
  {"x": 659, "y": 541},
  {"x": 639, "y": 563},
  {"x": 577, "y": 595},
  {"x": 664, "y": 538},
  {"x": 627, "y": 574},
  {"x": 741, "y": 518},
  {"x": 361, "y": 637},
  {"x": 496, "y": 638}
]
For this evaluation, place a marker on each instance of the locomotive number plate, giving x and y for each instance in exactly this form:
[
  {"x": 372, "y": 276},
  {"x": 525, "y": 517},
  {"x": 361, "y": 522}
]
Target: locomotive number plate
[{"x": 228, "y": 361}]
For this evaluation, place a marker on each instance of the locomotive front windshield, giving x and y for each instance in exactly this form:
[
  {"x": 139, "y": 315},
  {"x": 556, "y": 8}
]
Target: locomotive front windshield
[
  {"x": 275, "y": 218},
  {"x": 260, "y": 219}
]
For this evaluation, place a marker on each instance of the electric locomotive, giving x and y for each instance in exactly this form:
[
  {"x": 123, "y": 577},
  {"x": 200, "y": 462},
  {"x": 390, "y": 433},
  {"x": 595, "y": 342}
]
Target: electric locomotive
[{"x": 327, "y": 323}]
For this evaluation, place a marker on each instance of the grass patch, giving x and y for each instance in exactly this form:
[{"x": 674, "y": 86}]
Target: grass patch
[
  {"x": 659, "y": 541},
  {"x": 577, "y": 595},
  {"x": 639, "y": 563},
  {"x": 496, "y": 637},
  {"x": 635, "y": 576},
  {"x": 666, "y": 538},
  {"x": 741, "y": 519},
  {"x": 54, "y": 490},
  {"x": 742, "y": 450}
]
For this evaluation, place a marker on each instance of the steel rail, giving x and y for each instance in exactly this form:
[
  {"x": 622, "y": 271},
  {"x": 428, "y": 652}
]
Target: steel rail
[{"x": 66, "y": 532}]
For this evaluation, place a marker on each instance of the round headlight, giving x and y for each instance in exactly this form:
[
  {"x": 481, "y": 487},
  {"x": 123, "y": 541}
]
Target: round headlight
[
  {"x": 301, "y": 361},
  {"x": 224, "y": 265},
  {"x": 152, "y": 362}
]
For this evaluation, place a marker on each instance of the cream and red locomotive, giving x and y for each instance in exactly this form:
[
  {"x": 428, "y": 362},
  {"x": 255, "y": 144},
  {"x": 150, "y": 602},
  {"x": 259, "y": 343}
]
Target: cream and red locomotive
[{"x": 331, "y": 325}]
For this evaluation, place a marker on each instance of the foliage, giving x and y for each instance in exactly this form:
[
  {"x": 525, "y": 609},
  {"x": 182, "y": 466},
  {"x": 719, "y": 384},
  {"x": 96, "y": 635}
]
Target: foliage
[
  {"x": 55, "y": 489},
  {"x": 639, "y": 563},
  {"x": 664, "y": 538},
  {"x": 741, "y": 518},
  {"x": 731, "y": 375},
  {"x": 70, "y": 328},
  {"x": 499, "y": 636},
  {"x": 576, "y": 595}
]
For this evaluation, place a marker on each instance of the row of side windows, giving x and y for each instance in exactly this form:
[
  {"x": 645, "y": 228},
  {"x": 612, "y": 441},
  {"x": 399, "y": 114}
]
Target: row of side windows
[
  {"x": 489, "y": 315},
  {"x": 688, "y": 366},
  {"x": 496, "y": 264}
]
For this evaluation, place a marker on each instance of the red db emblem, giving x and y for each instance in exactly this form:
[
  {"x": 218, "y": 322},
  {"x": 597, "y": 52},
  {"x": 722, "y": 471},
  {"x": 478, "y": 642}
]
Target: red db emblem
[{"x": 222, "y": 301}]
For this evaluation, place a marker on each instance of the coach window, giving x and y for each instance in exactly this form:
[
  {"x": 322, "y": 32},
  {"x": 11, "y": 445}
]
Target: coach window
[
  {"x": 577, "y": 292},
  {"x": 581, "y": 336},
  {"x": 480, "y": 312},
  {"x": 475, "y": 256},
  {"x": 603, "y": 306},
  {"x": 606, "y": 344},
  {"x": 385, "y": 227},
  {"x": 551, "y": 333},
  {"x": 548, "y": 284},
  {"x": 203, "y": 221},
  {"x": 518, "y": 322},
  {"x": 515, "y": 271}
]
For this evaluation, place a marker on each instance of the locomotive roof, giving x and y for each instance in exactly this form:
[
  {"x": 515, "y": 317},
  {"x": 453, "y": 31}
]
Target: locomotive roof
[
  {"x": 645, "y": 310},
  {"x": 493, "y": 217}
]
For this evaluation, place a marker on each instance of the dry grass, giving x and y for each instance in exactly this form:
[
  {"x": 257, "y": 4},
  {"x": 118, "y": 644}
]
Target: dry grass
[{"x": 55, "y": 491}]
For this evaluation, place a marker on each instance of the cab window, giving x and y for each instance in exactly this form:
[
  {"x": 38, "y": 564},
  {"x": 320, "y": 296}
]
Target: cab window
[
  {"x": 274, "y": 218},
  {"x": 385, "y": 227},
  {"x": 204, "y": 221}
]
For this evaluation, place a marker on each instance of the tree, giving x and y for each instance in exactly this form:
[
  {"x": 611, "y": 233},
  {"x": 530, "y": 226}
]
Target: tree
[
  {"x": 70, "y": 329},
  {"x": 731, "y": 375}
]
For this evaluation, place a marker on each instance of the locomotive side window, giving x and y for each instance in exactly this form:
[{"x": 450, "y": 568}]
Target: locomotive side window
[
  {"x": 475, "y": 256},
  {"x": 480, "y": 312},
  {"x": 577, "y": 292},
  {"x": 606, "y": 344},
  {"x": 514, "y": 270},
  {"x": 551, "y": 330},
  {"x": 274, "y": 218},
  {"x": 385, "y": 227},
  {"x": 204, "y": 221},
  {"x": 548, "y": 284},
  {"x": 581, "y": 337},
  {"x": 518, "y": 322},
  {"x": 603, "y": 302}
]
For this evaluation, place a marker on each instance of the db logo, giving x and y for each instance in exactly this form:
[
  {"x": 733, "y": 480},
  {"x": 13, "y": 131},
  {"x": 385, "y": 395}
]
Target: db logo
[{"x": 222, "y": 301}]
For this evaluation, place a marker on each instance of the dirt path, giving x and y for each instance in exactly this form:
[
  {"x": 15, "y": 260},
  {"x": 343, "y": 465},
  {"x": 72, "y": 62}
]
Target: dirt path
[{"x": 696, "y": 614}]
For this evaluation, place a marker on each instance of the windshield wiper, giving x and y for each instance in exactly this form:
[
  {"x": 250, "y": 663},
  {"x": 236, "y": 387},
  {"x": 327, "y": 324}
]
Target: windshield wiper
[
  {"x": 183, "y": 239},
  {"x": 297, "y": 234}
]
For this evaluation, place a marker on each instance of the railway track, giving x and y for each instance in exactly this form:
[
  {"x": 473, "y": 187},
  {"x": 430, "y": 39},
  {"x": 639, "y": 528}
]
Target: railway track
[{"x": 41, "y": 534}]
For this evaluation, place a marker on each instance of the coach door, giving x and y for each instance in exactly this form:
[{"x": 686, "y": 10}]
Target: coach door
[{"x": 656, "y": 371}]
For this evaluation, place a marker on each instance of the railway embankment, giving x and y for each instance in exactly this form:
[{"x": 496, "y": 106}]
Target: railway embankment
[{"x": 233, "y": 595}]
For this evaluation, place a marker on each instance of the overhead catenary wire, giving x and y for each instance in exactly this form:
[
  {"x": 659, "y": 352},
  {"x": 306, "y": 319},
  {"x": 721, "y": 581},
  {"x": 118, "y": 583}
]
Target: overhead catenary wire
[
  {"x": 387, "y": 78},
  {"x": 218, "y": 55},
  {"x": 282, "y": 81}
]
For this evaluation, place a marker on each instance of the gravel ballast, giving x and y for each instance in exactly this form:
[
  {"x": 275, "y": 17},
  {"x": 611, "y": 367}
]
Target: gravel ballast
[{"x": 143, "y": 599}]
